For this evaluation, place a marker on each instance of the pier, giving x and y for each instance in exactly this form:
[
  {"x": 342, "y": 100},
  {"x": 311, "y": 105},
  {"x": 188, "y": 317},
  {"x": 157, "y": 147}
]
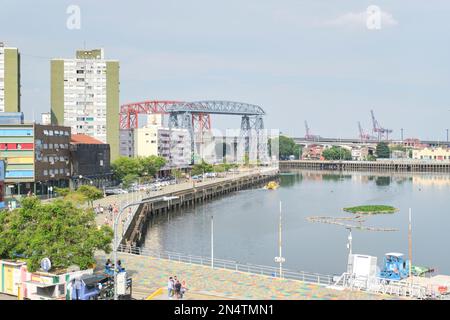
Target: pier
[{"x": 379, "y": 165}]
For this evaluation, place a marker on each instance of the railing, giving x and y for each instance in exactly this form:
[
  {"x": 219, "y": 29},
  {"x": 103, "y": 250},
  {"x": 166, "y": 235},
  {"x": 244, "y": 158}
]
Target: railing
[
  {"x": 383, "y": 286},
  {"x": 314, "y": 278}
]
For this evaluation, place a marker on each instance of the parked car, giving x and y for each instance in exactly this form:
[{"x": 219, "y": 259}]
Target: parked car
[{"x": 114, "y": 191}]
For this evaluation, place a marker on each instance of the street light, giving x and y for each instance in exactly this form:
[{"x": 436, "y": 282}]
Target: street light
[
  {"x": 350, "y": 238},
  {"x": 90, "y": 180},
  {"x": 116, "y": 223}
]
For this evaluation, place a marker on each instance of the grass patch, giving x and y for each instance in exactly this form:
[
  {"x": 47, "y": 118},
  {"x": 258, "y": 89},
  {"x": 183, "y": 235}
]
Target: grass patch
[{"x": 371, "y": 209}]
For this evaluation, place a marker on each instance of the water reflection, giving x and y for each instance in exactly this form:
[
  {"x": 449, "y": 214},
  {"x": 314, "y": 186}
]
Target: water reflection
[{"x": 246, "y": 222}]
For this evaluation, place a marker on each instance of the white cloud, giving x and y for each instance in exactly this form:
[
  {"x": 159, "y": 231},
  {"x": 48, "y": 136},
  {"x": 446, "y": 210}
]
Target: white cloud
[{"x": 359, "y": 19}]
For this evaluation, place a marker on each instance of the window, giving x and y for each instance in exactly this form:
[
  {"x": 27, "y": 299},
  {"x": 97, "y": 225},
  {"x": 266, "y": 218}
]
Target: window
[
  {"x": 45, "y": 146},
  {"x": 46, "y": 132},
  {"x": 45, "y": 173}
]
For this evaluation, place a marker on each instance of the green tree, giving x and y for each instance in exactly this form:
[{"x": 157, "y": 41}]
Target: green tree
[
  {"x": 337, "y": 153},
  {"x": 129, "y": 179},
  {"x": 201, "y": 168},
  {"x": 136, "y": 167},
  {"x": 150, "y": 165},
  {"x": 286, "y": 146},
  {"x": 177, "y": 174},
  {"x": 219, "y": 168},
  {"x": 62, "y": 191},
  {"x": 59, "y": 230},
  {"x": 382, "y": 150},
  {"x": 124, "y": 165},
  {"x": 91, "y": 193}
]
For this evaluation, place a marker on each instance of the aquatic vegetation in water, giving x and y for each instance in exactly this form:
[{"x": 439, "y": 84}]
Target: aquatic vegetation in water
[{"x": 371, "y": 209}]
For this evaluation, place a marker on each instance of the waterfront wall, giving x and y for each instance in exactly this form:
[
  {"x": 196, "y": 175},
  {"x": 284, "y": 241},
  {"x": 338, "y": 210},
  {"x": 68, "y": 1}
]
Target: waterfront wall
[
  {"x": 136, "y": 230},
  {"x": 382, "y": 166}
]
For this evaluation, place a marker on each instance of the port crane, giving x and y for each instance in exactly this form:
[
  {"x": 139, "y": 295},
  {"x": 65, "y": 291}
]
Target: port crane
[
  {"x": 382, "y": 133},
  {"x": 362, "y": 134}
]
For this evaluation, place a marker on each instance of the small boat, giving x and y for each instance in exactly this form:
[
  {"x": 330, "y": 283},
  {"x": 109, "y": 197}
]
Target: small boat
[{"x": 272, "y": 185}]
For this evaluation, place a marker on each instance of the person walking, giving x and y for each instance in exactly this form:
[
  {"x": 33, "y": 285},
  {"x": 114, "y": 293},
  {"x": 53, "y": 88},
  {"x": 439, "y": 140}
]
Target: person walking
[
  {"x": 77, "y": 288},
  {"x": 170, "y": 287},
  {"x": 183, "y": 289},
  {"x": 178, "y": 289}
]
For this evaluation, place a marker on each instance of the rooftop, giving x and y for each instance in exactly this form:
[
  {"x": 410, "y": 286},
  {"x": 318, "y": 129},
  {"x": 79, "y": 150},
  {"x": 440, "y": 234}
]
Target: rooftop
[{"x": 83, "y": 139}]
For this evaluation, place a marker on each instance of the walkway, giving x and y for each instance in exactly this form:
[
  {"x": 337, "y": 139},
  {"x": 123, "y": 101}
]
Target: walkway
[{"x": 150, "y": 273}]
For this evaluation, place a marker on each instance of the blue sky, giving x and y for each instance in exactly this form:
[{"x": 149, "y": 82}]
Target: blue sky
[{"x": 300, "y": 60}]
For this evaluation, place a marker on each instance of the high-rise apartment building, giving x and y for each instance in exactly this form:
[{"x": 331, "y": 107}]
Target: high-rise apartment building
[
  {"x": 85, "y": 96},
  {"x": 9, "y": 79}
]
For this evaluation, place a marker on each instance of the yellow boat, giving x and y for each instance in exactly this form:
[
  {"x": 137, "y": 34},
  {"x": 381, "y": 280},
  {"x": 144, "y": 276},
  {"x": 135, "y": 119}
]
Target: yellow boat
[{"x": 272, "y": 185}]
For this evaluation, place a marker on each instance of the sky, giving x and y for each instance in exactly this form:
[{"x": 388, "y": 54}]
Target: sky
[{"x": 313, "y": 60}]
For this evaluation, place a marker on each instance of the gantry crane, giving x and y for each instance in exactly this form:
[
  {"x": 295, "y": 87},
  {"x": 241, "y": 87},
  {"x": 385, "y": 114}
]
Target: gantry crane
[{"x": 382, "y": 133}]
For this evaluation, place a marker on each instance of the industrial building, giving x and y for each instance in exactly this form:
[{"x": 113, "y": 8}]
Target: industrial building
[
  {"x": 9, "y": 79},
  {"x": 85, "y": 96}
]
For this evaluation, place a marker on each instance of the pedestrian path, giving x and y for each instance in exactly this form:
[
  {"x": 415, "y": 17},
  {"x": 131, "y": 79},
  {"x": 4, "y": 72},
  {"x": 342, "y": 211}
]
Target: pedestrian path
[{"x": 150, "y": 273}]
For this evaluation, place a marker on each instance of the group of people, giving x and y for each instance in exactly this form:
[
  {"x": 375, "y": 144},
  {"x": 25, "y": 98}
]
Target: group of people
[
  {"x": 99, "y": 209},
  {"x": 109, "y": 267},
  {"x": 112, "y": 211},
  {"x": 176, "y": 288}
]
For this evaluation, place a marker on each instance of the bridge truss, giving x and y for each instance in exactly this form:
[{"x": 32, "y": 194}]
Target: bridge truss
[
  {"x": 186, "y": 115},
  {"x": 196, "y": 118}
]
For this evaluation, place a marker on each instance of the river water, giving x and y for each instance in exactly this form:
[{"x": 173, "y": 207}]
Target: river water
[{"x": 246, "y": 222}]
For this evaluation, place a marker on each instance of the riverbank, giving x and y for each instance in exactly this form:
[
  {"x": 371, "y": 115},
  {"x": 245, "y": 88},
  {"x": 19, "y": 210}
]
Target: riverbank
[{"x": 379, "y": 165}]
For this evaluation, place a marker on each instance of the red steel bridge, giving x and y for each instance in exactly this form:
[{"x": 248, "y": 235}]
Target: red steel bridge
[{"x": 195, "y": 116}]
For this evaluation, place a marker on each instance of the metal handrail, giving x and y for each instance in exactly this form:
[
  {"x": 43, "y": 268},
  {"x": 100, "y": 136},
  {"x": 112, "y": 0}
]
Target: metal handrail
[{"x": 314, "y": 278}]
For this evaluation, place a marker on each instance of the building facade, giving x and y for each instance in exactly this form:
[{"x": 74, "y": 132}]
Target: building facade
[
  {"x": 46, "y": 118},
  {"x": 433, "y": 154},
  {"x": 36, "y": 157},
  {"x": 146, "y": 141},
  {"x": 173, "y": 145},
  {"x": 9, "y": 79},
  {"x": 90, "y": 161},
  {"x": 85, "y": 96},
  {"x": 52, "y": 157},
  {"x": 126, "y": 137}
]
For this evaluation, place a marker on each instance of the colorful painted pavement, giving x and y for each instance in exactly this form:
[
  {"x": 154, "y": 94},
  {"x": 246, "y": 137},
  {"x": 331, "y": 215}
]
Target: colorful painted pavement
[{"x": 149, "y": 274}]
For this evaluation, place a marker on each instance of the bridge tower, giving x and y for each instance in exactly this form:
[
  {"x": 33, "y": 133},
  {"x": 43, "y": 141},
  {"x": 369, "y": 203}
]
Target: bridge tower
[{"x": 252, "y": 130}]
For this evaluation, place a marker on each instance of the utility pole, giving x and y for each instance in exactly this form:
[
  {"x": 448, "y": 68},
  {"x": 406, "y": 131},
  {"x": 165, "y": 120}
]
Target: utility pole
[
  {"x": 279, "y": 243},
  {"x": 212, "y": 242},
  {"x": 280, "y": 258},
  {"x": 402, "y": 133},
  {"x": 410, "y": 248}
]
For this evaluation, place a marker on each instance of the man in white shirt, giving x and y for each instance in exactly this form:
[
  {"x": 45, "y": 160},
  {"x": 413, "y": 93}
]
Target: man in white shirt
[{"x": 170, "y": 284}]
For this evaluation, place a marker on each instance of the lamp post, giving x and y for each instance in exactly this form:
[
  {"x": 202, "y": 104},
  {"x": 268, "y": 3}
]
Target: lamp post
[
  {"x": 350, "y": 238},
  {"x": 212, "y": 242},
  {"x": 350, "y": 251},
  {"x": 115, "y": 225},
  {"x": 90, "y": 180},
  {"x": 280, "y": 259}
]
